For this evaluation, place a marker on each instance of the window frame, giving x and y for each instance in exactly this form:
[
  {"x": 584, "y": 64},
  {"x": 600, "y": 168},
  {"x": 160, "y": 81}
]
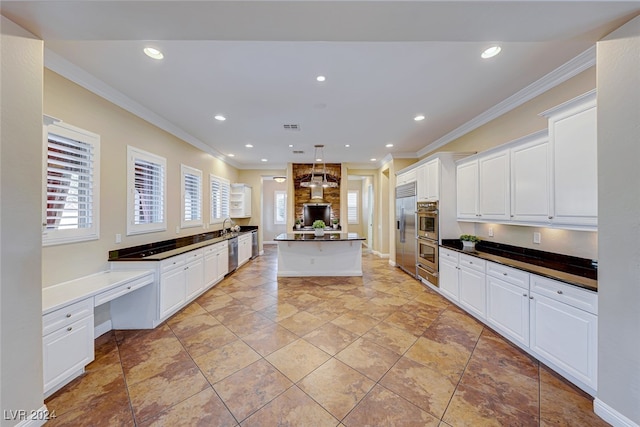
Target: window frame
[
  {"x": 355, "y": 220},
  {"x": 277, "y": 193},
  {"x": 57, "y": 236},
  {"x": 224, "y": 184},
  {"x": 133, "y": 154},
  {"x": 184, "y": 171}
]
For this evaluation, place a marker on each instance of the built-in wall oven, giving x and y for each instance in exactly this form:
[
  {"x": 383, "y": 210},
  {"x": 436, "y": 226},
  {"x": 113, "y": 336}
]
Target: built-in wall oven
[{"x": 427, "y": 241}]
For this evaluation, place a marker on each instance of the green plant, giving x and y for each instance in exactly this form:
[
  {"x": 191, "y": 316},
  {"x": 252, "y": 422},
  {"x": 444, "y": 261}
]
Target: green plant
[
  {"x": 298, "y": 221},
  {"x": 469, "y": 238},
  {"x": 336, "y": 221},
  {"x": 318, "y": 223}
]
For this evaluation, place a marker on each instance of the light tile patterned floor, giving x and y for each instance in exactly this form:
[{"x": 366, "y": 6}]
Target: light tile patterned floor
[{"x": 380, "y": 350}]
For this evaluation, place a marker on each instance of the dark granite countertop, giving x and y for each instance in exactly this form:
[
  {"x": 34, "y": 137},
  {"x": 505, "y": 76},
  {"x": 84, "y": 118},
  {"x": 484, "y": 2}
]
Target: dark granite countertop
[
  {"x": 329, "y": 236},
  {"x": 159, "y": 251},
  {"x": 575, "y": 271}
]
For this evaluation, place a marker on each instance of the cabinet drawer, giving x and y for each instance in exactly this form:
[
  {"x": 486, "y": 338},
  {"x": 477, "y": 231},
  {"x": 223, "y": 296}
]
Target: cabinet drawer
[
  {"x": 173, "y": 262},
  {"x": 509, "y": 274},
  {"x": 563, "y": 292},
  {"x": 66, "y": 315},
  {"x": 472, "y": 262},
  {"x": 215, "y": 248},
  {"x": 123, "y": 289},
  {"x": 193, "y": 255},
  {"x": 450, "y": 255}
]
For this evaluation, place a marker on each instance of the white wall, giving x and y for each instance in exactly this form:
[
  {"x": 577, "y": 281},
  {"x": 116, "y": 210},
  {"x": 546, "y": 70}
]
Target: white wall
[
  {"x": 618, "y": 59},
  {"x": 269, "y": 229},
  {"x": 20, "y": 219}
]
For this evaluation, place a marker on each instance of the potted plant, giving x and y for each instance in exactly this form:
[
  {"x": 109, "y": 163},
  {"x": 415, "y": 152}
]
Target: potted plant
[
  {"x": 469, "y": 242},
  {"x": 318, "y": 227},
  {"x": 336, "y": 222},
  {"x": 298, "y": 223}
]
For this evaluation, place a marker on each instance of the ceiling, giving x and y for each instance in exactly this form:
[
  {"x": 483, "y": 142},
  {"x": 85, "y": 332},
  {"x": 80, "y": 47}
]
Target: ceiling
[{"x": 256, "y": 63}]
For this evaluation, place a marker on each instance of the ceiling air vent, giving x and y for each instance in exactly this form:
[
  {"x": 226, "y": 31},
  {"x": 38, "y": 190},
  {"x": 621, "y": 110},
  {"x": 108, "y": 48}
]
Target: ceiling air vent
[
  {"x": 298, "y": 152},
  {"x": 291, "y": 127}
]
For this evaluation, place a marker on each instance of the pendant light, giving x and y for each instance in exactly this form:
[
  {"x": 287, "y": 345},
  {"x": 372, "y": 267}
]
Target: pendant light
[{"x": 320, "y": 179}]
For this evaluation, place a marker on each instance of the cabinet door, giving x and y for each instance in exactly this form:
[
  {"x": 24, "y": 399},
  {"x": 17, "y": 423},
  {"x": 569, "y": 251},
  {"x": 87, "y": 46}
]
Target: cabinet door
[
  {"x": 467, "y": 190},
  {"x": 493, "y": 197},
  {"x": 422, "y": 190},
  {"x": 473, "y": 293},
  {"x": 194, "y": 277},
  {"x": 172, "y": 291},
  {"x": 223, "y": 261},
  {"x": 530, "y": 182},
  {"x": 448, "y": 280},
  {"x": 566, "y": 337},
  {"x": 211, "y": 267},
  {"x": 66, "y": 351},
  {"x": 432, "y": 173},
  {"x": 508, "y": 309}
]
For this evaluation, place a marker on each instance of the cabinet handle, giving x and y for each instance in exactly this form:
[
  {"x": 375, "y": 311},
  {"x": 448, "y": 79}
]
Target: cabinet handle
[
  {"x": 128, "y": 287},
  {"x": 512, "y": 215},
  {"x": 186, "y": 268},
  {"x": 524, "y": 295},
  {"x": 550, "y": 217},
  {"x": 560, "y": 292},
  {"x": 504, "y": 274},
  {"x": 69, "y": 328},
  {"x": 530, "y": 297},
  {"x": 68, "y": 314}
]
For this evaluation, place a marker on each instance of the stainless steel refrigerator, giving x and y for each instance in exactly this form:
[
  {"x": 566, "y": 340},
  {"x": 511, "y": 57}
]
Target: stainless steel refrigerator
[{"x": 406, "y": 257}]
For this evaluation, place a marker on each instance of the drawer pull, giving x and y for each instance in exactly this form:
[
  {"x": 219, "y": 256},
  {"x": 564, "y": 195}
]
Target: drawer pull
[
  {"x": 69, "y": 328},
  {"x": 560, "y": 292},
  {"x": 524, "y": 295},
  {"x": 504, "y": 274},
  {"x": 68, "y": 314},
  {"x": 530, "y": 297},
  {"x": 128, "y": 287}
]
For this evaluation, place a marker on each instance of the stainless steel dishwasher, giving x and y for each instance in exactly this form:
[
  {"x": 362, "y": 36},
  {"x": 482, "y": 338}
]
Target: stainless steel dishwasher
[
  {"x": 254, "y": 244},
  {"x": 233, "y": 254}
]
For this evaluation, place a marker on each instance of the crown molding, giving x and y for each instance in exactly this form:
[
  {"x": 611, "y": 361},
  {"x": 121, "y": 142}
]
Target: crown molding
[
  {"x": 575, "y": 66},
  {"x": 66, "y": 69}
]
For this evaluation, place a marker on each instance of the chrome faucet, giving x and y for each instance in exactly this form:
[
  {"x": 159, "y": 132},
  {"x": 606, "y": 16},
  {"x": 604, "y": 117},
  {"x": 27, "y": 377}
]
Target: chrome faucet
[{"x": 224, "y": 230}]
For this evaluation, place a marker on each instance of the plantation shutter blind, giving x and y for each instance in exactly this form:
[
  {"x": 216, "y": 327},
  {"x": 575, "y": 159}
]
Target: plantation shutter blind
[
  {"x": 149, "y": 186},
  {"x": 192, "y": 202},
  {"x": 352, "y": 207},
  {"x": 220, "y": 194}
]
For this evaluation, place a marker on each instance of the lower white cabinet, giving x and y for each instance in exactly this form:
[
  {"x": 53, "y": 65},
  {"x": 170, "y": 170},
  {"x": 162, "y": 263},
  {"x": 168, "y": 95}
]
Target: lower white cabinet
[
  {"x": 448, "y": 274},
  {"x": 244, "y": 248},
  {"x": 508, "y": 302},
  {"x": 194, "y": 271},
  {"x": 216, "y": 263},
  {"x": 172, "y": 288},
  {"x": 471, "y": 279},
  {"x": 67, "y": 343}
]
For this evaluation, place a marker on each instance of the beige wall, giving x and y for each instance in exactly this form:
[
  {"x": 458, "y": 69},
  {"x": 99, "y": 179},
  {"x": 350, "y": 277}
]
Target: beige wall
[
  {"x": 118, "y": 128},
  {"x": 618, "y": 60},
  {"x": 515, "y": 124},
  {"x": 21, "y": 188}
]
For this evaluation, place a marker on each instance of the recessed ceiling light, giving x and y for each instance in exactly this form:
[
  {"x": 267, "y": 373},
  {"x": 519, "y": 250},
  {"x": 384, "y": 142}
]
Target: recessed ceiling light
[
  {"x": 263, "y": 160},
  {"x": 231, "y": 155},
  {"x": 347, "y": 145},
  {"x": 321, "y": 78},
  {"x": 373, "y": 160},
  {"x": 290, "y": 145},
  {"x": 249, "y": 145},
  {"x": 318, "y": 159},
  {"x": 418, "y": 118},
  {"x": 220, "y": 117},
  {"x": 389, "y": 145},
  {"x": 491, "y": 52},
  {"x": 152, "y": 52}
]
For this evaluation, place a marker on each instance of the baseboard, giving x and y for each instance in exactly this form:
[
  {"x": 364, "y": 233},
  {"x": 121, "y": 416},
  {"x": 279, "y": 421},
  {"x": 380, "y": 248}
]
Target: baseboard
[
  {"x": 35, "y": 418},
  {"x": 610, "y": 415},
  {"x": 380, "y": 254},
  {"x": 102, "y": 328}
]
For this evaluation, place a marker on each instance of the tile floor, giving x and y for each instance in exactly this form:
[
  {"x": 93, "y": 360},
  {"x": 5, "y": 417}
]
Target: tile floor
[{"x": 380, "y": 350}]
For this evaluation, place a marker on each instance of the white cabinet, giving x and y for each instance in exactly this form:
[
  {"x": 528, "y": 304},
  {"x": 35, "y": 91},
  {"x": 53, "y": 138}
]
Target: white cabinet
[
  {"x": 406, "y": 177},
  {"x": 573, "y": 139},
  {"x": 493, "y": 181},
  {"x": 240, "y": 201},
  {"x": 194, "y": 273},
  {"x": 563, "y": 333},
  {"x": 216, "y": 263},
  {"x": 471, "y": 279},
  {"x": 467, "y": 189},
  {"x": 508, "y": 302},
  {"x": 428, "y": 180},
  {"x": 67, "y": 343},
  {"x": 448, "y": 274},
  {"x": 244, "y": 248},
  {"x": 172, "y": 285},
  {"x": 530, "y": 181}
]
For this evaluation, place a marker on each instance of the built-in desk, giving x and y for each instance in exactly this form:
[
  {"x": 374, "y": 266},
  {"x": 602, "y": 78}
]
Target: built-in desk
[{"x": 334, "y": 254}]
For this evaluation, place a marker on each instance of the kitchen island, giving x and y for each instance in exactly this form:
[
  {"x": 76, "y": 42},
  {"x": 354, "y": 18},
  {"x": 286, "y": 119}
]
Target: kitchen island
[{"x": 334, "y": 254}]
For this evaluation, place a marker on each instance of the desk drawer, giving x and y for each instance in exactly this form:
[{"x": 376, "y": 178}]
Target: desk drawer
[
  {"x": 173, "y": 262},
  {"x": 123, "y": 289},
  {"x": 66, "y": 315}
]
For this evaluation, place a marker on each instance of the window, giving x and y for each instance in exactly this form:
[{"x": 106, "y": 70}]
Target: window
[
  {"x": 72, "y": 174},
  {"x": 191, "y": 197},
  {"x": 280, "y": 207},
  {"x": 147, "y": 186},
  {"x": 220, "y": 189},
  {"x": 353, "y": 209}
]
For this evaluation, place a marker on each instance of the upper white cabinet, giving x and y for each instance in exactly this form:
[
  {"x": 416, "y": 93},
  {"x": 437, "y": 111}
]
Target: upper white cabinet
[
  {"x": 573, "y": 138},
  {"x": 493, "y": 196},
  {"x": 240, "y": 202},
  {"x": 406, "y": 177},
  {"x": 530, "y": 181},
  {"x": 467, "y": 189},
  {"x": 428, "y": 180}
]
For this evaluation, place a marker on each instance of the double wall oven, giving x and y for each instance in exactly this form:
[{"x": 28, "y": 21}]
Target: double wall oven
[{"x": 427, "y": 241}]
